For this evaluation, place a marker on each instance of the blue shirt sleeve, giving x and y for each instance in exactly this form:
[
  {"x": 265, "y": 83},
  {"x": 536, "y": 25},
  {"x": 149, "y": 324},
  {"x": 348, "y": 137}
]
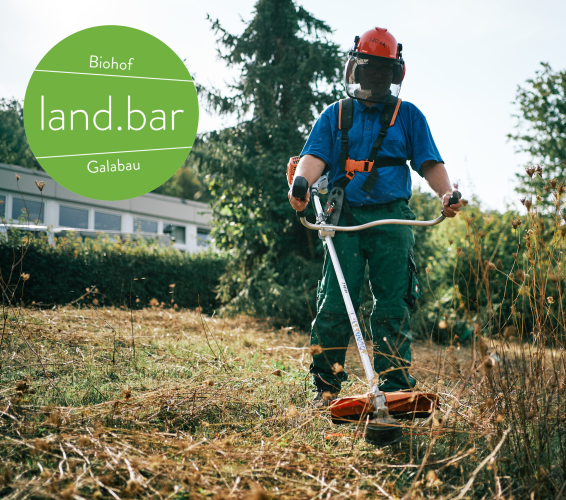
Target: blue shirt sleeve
[
  {"x": 323, "y": 135},
  {"x": 422, "y": 144}
]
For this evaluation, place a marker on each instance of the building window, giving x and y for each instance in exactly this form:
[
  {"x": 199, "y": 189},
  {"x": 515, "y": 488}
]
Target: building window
[
  {"x": 73, "y": 217},
  {"x": 145, "y": 226},
  {"x": 203, "y": 237},
  {"x": 107, "y": 222},
  {"x": 178, "y": 233},
  {"x": 2, "y": 206},
  {"x": 30, "y": 211}
]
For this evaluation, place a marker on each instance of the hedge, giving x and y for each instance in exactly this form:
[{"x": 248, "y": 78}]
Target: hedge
[{"x": 121, "y": 271}]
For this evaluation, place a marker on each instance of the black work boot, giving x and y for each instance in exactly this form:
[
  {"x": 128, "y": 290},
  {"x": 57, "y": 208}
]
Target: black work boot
[
  {"x": 324, "y": 394},
  {"x": 322, "y": 399}
]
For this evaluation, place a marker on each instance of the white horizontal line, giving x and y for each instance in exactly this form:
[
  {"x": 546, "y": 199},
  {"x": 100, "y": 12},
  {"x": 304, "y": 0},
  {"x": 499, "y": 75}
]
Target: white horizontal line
[
  {"x": 113, "y": 152},
  {"x": 117, "y": 76}
]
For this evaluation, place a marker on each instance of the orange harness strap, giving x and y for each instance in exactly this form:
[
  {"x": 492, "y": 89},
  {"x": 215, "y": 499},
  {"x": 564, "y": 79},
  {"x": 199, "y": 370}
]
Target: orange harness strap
[
  {"x": 353, "y": 166},
  {"x": 395, "y": 113},
  {"x": 358, "y": 165}
]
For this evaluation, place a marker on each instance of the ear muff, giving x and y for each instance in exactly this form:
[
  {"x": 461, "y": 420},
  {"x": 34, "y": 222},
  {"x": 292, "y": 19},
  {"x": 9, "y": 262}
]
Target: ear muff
[{"x": 399, "y": 73}]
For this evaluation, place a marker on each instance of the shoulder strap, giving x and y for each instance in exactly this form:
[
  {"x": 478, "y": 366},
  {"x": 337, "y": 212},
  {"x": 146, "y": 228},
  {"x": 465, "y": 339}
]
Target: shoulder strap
[
  {"x": 387, "y": 119},
  {"x": 345, "y": 122},
  {"x": 395, "y": 112}
]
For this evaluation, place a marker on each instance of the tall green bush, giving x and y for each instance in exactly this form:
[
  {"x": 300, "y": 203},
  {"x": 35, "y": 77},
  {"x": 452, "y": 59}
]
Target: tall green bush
[{"x": 481, "y": 271}]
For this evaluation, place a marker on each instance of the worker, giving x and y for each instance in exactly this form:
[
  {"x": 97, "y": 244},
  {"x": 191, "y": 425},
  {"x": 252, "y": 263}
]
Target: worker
[{"x": 363, "y": 143}]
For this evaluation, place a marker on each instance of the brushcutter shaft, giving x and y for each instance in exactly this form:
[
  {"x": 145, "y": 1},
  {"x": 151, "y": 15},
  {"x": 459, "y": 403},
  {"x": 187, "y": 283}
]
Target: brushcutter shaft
[
  {"x": 319, "y": 212},
  {"x": 366, "y": 361}
]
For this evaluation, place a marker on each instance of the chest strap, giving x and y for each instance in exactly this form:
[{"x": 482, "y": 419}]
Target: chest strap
[
  {"x": 371, "y": 165},
  {"x": 368, "y": 166}
]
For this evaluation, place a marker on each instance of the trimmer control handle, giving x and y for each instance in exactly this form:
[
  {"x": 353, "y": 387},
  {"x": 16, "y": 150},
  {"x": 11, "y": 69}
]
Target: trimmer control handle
[
  {"x": 299, "y": 190},
  {"x": 300, "y": 187},
  {"x": 455, "y": 198}
]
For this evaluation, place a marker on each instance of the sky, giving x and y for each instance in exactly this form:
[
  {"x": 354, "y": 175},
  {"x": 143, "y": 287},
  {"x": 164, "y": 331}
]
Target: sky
[{"x": 465, "y": 60}]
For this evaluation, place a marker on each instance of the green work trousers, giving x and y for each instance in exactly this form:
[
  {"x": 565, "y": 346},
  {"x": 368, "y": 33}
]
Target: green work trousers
[{"x": 388, "y": 250}]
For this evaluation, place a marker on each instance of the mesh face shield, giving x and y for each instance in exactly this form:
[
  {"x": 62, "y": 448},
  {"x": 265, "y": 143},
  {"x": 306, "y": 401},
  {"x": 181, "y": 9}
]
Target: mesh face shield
[{"x": 372, "y": 78}]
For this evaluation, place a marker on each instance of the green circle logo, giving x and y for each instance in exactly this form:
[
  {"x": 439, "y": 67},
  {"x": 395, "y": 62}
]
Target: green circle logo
[{"x": 111, "y": 112}]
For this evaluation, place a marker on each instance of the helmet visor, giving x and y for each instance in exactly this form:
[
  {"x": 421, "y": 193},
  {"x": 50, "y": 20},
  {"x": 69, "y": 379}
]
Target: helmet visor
[{"x": 372, "y": 78}]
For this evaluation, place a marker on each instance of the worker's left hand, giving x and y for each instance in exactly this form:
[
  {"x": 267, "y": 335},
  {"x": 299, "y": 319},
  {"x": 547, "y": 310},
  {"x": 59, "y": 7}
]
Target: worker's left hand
[{"x": 452, "y": 210}]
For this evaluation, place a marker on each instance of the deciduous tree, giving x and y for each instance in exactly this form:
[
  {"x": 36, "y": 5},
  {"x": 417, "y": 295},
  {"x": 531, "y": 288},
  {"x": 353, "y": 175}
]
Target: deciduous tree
[{"x": 542, "y": 124}]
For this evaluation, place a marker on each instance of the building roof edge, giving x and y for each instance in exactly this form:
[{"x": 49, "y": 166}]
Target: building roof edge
[{"x": 163, "y": 197}]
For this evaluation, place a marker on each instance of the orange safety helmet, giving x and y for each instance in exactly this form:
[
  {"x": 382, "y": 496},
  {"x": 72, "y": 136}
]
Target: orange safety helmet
[{"x": 378, "y": 54}]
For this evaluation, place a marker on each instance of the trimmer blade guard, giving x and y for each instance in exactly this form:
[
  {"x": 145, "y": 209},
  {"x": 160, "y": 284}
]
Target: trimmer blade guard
[{"x": 401, "y": 405}]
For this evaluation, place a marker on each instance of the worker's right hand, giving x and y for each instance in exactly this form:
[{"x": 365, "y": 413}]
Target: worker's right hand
[{"x": 298, "y": 204}]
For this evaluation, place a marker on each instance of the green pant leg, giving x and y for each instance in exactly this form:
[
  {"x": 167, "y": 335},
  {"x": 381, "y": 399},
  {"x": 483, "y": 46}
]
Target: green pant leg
[
  {"x": 331, "y": 328},
  {"x": 387, "y": 250},
  {"x": 332, "y": 332}
]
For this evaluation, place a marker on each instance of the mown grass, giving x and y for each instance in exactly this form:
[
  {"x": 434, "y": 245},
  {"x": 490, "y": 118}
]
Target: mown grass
[{"x": 219, "y": 408}]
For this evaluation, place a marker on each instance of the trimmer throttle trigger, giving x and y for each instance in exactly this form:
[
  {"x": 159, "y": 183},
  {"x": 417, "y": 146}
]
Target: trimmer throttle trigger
[{"x": 299, "y": 190}]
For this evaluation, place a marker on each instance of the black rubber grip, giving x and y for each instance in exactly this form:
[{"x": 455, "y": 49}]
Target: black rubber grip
[
  {"x": 300, "y": 187},
  {"x": 455, "y": 198}
]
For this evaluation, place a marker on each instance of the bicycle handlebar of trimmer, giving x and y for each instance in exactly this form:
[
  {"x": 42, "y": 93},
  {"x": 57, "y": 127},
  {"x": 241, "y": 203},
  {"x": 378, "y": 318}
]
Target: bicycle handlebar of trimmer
[{"x": 301, "y": 186}]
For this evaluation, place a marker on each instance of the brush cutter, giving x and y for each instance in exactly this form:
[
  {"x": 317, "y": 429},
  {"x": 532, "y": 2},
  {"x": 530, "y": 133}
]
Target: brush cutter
[{"x": 376, "y": 409}]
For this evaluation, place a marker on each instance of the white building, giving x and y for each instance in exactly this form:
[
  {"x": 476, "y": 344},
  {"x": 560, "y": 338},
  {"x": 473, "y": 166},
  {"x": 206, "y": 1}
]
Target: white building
[{"x": 151, "y": 215}]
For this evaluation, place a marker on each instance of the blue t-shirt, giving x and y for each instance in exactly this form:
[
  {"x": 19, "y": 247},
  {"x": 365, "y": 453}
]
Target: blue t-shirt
[{"x": 410, "y": 137}]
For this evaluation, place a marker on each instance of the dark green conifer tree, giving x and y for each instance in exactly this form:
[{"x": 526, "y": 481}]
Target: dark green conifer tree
[
  {"x": 288, "y": 73},
  {"x": 14, "y": 147}
]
